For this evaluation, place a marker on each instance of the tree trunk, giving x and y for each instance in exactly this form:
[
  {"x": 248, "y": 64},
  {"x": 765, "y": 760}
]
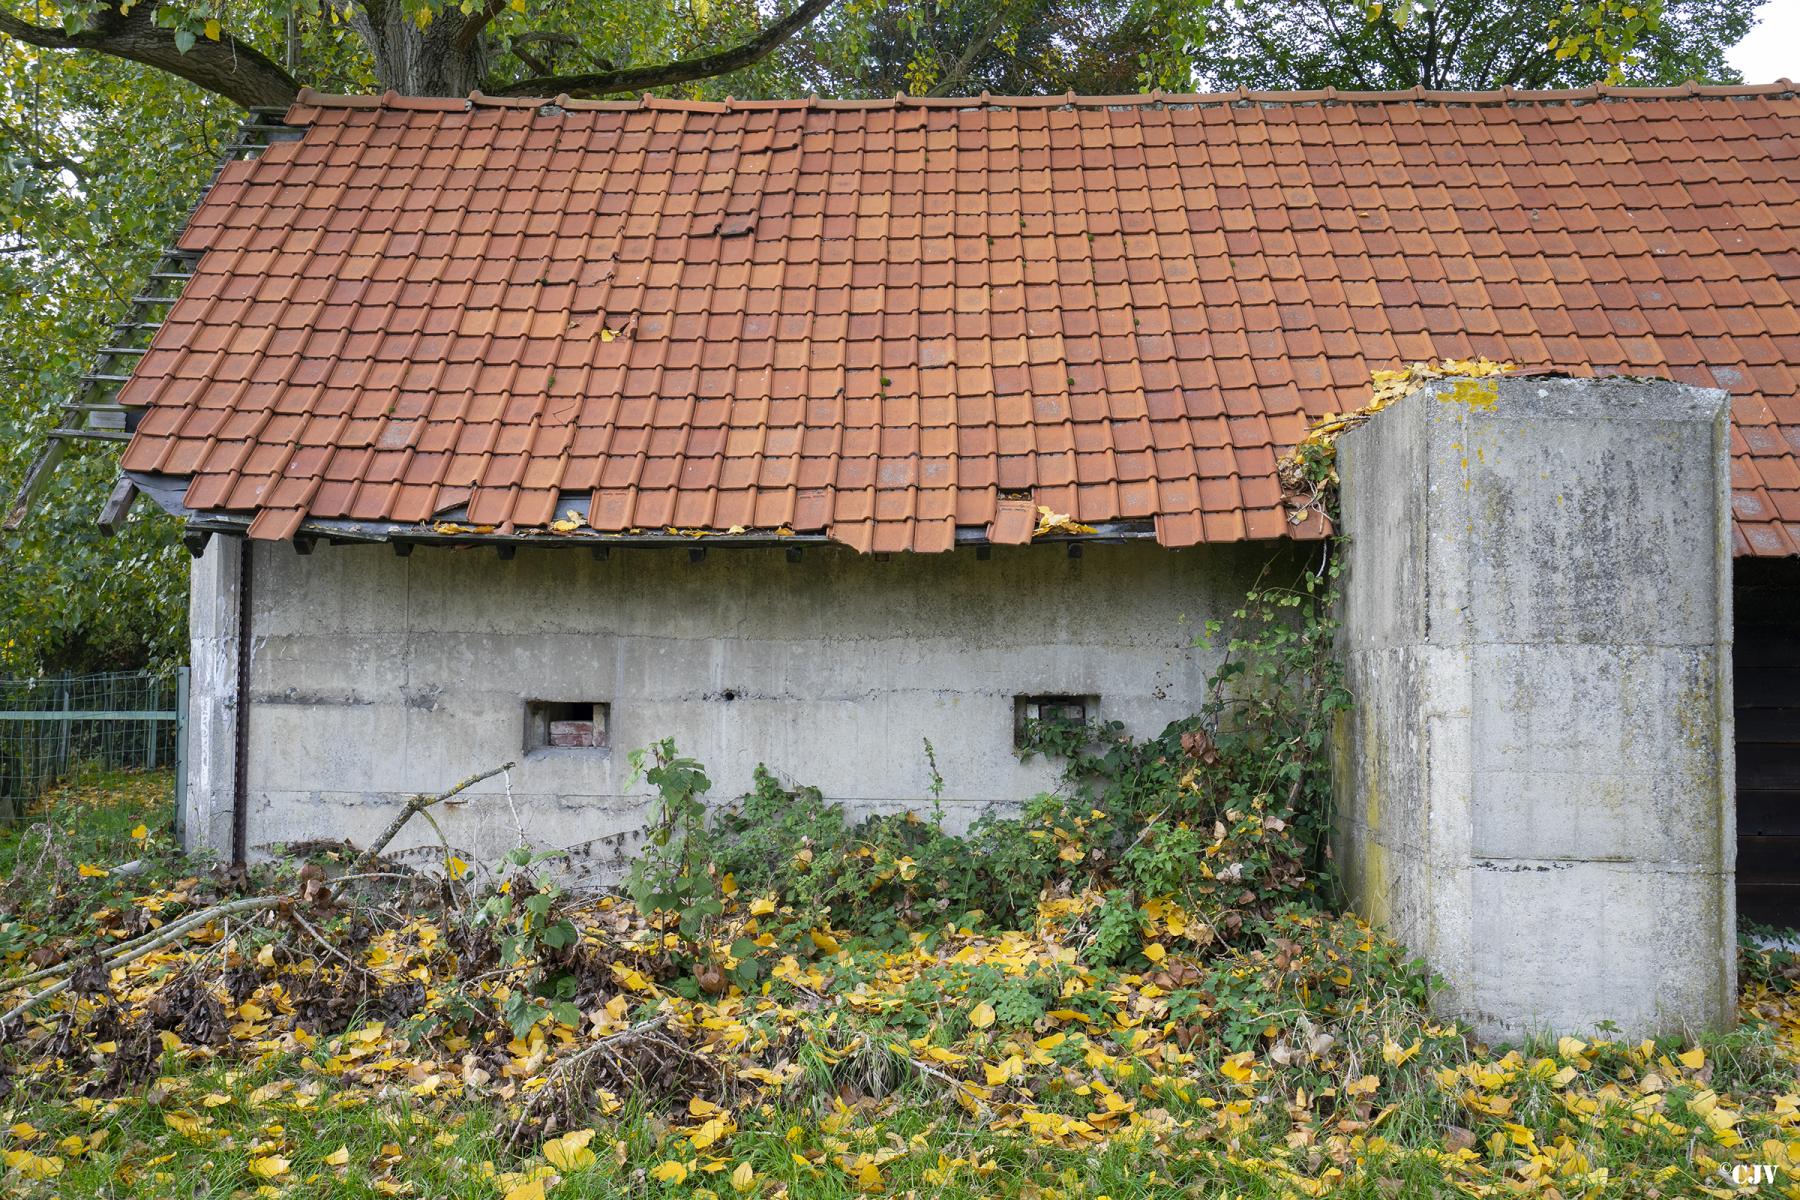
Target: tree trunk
[{"x": 447, "y": 57}]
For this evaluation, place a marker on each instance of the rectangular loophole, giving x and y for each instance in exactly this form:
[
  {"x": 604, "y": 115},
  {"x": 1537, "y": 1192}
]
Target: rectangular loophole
[
  {"x": 1057, "y": 710},
  {"x": 566, "y": 724}
]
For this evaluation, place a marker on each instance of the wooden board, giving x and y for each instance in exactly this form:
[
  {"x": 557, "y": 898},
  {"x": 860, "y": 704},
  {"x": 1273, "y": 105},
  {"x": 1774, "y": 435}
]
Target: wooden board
[{"x": 1766, "y": 670}]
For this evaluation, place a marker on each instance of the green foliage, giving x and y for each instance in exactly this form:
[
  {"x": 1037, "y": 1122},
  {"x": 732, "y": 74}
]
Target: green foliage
[
  {"x": 1118, "y": 930},
  {"x": 1768, "y": 958},
  {"x": 99, "y": 817},
  {"x": 99, "y": 161},
  {"x": 525, "y": 913},
  {"x": 1295, "y": 968},
  {"x": 669, "y": 880},
  {"x": 1227, "y": 812},
  {"x": 1473, "y": 44},
  {"x": 882, "y": 876}
]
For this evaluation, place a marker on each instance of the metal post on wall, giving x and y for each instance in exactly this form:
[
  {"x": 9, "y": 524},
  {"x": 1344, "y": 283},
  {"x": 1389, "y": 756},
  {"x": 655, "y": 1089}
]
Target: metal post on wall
[{"x": 181, "y": 756}]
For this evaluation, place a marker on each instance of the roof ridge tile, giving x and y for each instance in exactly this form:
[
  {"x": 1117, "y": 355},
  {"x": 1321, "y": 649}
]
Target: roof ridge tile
[{"x": 309, "y": 99}]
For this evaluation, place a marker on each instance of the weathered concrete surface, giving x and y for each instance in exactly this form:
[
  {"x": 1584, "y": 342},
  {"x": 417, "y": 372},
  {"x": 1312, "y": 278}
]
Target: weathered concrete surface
[
  {"x": 1535, "y": 782},
  {"x": 212, "y": 695},
  {"x": 375, "y": 677}
]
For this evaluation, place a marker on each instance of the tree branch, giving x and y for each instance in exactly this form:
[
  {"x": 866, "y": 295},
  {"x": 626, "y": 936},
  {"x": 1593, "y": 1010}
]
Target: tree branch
[
  {"x": 419, "y": 804},
  {"x": 478, "y": 22},
  {"x": 632, "y": 79},
  {"x": 41, "y": 156},
  {"x": 980, "y": 45},
  {"x": 228, "y": 67}
]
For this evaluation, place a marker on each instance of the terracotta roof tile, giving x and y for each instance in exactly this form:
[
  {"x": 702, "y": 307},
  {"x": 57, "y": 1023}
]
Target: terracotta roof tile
[{"x": 874, "y": 319}]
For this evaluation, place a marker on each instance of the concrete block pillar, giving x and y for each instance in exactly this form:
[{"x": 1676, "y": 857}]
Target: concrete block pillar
[
  {"x": 1534, "y": 784},
  {"x": 214, "y": 583}
]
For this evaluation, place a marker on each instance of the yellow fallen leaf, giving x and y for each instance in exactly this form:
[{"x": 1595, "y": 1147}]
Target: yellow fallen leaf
[
  {"x": 268, "y": 1167},
  {"x": 339, "y": 1157},
  {"x": 456, "y": 867},
  {"x": 215, "y": 1099},
  {"x": 1055, "y": 522},
  {"x": 668, "y": 1172},
  {"x": 90, "y": 871},
  {"x": 823, "y": 940},
  {"x": 711, "y": 1131},
  {"x": 34, "y": 1166},
  {"x": 569, "y": 1152},
  {"x": 743, "y": 1179},
  {"x": 1693, "y": 1059},
  {"x": 141, "y": 832},
  {"x": 533, "y": 1190},
  {"x": 1155, "y": 952},
  {"x": 982, "y": 1015},
  {"x": 186, "y": 1124},
  {"x": 24, "y": 1131}
]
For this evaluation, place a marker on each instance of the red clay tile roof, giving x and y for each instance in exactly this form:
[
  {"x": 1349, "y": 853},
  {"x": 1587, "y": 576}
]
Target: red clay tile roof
[{"x": 884, "y": 321}]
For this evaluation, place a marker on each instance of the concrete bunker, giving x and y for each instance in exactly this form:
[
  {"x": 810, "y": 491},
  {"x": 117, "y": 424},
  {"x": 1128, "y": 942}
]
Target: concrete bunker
[{"x": 1535, "y": 783}]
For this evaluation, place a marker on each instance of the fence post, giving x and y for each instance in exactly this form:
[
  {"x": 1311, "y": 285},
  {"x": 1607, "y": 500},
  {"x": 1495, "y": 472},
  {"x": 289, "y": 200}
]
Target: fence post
[
  {"x": 181, "y": 756},
  {"x": 150, "y": 729},
  {"x": 62, "y": 763}
]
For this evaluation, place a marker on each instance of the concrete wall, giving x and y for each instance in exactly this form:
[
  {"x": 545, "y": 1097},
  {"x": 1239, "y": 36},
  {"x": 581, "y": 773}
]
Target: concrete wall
[
  {"x": 375, "y": 677},
  {"x": 212, "y": 695},
  {"x": 1535, "y": 783}
]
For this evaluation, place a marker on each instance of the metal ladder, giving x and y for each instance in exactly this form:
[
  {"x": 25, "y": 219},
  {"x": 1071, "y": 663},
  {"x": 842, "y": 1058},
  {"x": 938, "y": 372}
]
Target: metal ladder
[{"x": 93, "y": 413}]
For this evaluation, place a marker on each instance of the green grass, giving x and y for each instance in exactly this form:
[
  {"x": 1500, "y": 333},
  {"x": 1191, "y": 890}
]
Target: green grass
[
  {"x": 454, "y": 1150},
  {"x": 90, "y": 817}
]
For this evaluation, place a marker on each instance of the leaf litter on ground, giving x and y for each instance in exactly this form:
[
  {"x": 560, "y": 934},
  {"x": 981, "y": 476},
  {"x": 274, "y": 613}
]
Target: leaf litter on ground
[{"x": 361, "y": 1037}]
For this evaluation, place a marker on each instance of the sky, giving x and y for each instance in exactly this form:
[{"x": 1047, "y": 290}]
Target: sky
[{"x": 1772, "y": 51}]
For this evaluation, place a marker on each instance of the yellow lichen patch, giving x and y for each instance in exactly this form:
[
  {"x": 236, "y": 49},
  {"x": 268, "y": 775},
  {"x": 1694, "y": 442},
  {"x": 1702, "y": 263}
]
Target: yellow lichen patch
[{"x": 1476, "y": 394}]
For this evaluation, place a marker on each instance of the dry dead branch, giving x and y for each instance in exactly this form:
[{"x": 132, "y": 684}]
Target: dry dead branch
[
  {"x": 419, "y": 804},
  {"x": 569, "y": 1071}
]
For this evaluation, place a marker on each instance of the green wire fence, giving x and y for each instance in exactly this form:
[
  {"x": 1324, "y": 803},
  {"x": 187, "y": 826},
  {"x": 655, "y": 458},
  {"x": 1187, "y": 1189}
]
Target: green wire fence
[{"x": 50, "y": 724}]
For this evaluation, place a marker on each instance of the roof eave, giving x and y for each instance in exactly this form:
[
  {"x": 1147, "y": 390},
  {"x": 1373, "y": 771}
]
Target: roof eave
[{"x": 168, "y": 490}]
